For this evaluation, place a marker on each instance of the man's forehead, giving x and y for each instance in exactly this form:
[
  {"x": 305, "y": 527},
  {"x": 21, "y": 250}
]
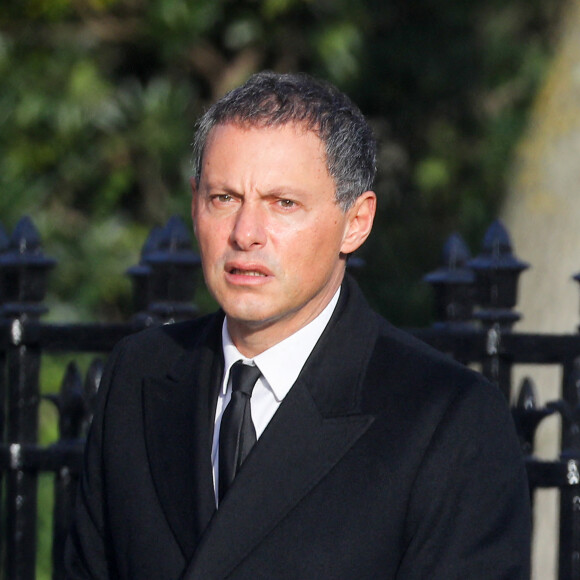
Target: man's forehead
[
  {"x": 280, "y": 161},
  {"x": 300, "y": 127},
  {"x": 219, "y": 133}
]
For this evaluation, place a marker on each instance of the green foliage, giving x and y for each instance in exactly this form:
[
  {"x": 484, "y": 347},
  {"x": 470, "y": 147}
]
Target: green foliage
[{"x": 99, "y": 100}]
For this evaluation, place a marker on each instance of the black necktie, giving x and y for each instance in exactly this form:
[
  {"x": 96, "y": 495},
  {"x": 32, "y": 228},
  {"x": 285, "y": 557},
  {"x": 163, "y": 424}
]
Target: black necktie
[{"x": 237, "y": 433}]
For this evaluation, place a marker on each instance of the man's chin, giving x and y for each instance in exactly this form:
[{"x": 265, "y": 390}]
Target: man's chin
[{"x": 251, "y": 321}]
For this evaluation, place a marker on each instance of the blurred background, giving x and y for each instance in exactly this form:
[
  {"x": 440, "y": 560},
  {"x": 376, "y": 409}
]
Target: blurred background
[
  {"x": 470, "y": 102},
  {"x": 99, "y": 98}
]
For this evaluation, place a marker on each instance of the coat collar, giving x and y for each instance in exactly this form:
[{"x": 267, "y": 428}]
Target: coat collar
[{"x": 336, "y": 367}]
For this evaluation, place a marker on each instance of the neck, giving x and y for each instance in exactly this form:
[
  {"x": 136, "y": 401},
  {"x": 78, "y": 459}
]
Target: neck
[{"x": 253, "y": 338}]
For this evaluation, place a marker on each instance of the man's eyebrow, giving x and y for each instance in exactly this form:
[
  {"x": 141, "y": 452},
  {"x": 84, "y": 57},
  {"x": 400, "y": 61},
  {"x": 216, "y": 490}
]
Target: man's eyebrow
[
  {"x": 285, "y": 190},
  {"x": 211, "y": 186}
]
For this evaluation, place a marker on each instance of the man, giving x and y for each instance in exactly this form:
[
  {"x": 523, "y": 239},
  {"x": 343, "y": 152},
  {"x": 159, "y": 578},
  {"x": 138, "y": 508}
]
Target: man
[{"x": 360, "y": 453}]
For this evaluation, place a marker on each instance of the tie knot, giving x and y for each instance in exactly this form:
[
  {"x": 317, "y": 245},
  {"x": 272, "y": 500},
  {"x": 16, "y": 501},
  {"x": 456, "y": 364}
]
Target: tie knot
[{"x": 244, "y": 378}]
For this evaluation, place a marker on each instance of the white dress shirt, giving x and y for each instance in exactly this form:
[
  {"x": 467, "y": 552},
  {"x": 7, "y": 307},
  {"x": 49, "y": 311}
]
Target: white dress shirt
[{"x": 280, "y": 366}]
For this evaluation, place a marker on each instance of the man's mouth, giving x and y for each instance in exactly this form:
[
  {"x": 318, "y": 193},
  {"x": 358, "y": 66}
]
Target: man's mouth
[{"x": 239, "y": 272}]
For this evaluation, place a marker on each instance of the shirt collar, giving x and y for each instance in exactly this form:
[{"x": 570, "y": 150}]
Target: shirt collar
[{"x": 281, "y": 364}]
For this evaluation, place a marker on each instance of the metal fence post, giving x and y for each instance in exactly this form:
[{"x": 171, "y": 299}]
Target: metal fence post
[
  {"x": 72, "y": 410},
  {"x": 569, "y": 409},
  {"x": 497, "y": 272},
  {"x": 3, "y": 248},
  {"x": 23, "y": 276}
]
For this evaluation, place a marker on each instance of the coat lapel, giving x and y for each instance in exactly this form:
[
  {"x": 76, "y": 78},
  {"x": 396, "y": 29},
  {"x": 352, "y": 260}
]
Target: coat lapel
[
  {"x": 178, "y": 415},
  {"x": 317, "y": 423}
]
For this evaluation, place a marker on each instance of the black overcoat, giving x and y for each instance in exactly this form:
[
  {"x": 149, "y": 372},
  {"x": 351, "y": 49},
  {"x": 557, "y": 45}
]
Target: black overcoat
[{"x": 385, "y": 460}]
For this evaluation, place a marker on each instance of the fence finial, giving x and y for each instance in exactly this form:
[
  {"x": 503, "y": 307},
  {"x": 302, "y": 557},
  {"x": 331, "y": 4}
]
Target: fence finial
[
  {"x": 453, "y": 284},
  {"x": 528, "y": 416},
  {"x": 140, "y": 275},
  {"x": 24, "y": 272},
  {"x": 70, "y": 404},
  {"x": 173, "y": 270},
  {"x": 497, "y": 271}
]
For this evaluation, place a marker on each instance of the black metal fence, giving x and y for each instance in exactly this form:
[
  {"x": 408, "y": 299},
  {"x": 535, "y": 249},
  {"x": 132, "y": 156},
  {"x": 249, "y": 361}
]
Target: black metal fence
[
  {"x": 164, "y": 286},
  {"x": 474, "y": 298}
]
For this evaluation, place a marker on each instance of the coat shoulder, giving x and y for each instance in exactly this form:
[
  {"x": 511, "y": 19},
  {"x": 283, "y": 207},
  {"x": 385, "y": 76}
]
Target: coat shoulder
[
  {"x": 404, "y": 370},
  {"x": 161, "y": 346}
]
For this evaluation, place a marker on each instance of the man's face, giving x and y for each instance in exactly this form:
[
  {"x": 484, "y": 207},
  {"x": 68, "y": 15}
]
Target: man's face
[{"x": 271, "y": 235}]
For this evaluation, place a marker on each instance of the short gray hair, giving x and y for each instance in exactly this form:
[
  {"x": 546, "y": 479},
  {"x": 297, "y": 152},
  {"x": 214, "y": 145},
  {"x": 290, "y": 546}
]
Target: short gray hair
[{"x": 268, "y": 99}]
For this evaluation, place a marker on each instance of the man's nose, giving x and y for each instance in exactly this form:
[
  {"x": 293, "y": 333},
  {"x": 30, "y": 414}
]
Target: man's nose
[{"x": 249, "y": 228}]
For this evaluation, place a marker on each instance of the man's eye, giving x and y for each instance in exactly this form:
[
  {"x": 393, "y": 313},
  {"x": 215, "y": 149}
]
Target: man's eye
[
  {"x": 222, "y": 198},
  {"x": 286, "y": 203}
]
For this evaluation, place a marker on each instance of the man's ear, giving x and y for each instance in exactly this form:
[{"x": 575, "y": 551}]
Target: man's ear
[{"x": 360, "y": 222}]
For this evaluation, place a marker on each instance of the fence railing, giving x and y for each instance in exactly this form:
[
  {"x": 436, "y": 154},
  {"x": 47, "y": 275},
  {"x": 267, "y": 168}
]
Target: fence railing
[{"x": 475, "y": 300}]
